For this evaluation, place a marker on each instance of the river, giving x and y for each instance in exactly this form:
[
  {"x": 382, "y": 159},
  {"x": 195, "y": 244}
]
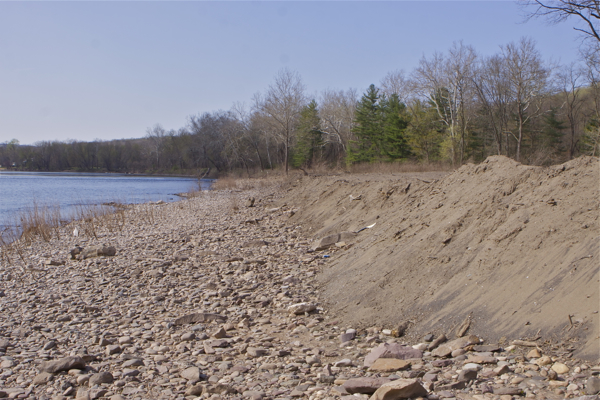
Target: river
[{"x": 22, "y": 190}]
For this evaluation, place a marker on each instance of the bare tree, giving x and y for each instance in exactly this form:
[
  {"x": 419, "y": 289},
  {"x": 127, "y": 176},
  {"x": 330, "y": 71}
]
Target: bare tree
[
  {"x": 528, "y": 78},
  {"x": 592, "y": 74},
  {"x": 396, "y": 82},
  {"x": 447, "y": 83},
  {"x": 336, "y": 112},
  {"x": 282, "y": 104},
  {"x": 157, "y": 136},
  {"x": 491, "y": 85},
  {"x": 570, "y": 81},
  {"x": 588, "y": 11}
]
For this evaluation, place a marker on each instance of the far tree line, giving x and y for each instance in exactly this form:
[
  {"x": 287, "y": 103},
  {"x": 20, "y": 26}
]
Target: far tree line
[{"x": 456, "y": 106}]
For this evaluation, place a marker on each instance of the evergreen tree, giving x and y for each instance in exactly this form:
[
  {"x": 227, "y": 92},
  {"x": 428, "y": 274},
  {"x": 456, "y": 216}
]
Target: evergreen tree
[
  {"x": 425, "y": 132},
  {"x": 553, "y": 132},
  {"x": 395, "y": 120},
  {"x": 368, "y": 128},
  {"x": 309, "y": 136}
]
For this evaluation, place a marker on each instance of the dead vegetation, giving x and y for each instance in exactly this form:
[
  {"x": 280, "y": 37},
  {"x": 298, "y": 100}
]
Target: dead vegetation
[{"x": 46, "y": 223}]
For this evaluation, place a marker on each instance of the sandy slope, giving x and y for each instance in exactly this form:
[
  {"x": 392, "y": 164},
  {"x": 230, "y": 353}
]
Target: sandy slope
[{"x": 515, "y": 246}]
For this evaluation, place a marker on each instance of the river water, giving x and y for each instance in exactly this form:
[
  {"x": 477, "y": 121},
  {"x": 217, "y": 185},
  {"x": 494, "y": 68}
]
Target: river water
[{"x": 21, "y": 190}]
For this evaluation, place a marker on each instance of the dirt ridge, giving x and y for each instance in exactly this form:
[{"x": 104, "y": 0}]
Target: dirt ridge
[{"x": 514, "y": 246}]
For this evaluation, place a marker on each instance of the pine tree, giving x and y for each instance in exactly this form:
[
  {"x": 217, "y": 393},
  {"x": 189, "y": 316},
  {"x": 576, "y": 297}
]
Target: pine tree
[
  {"x": 553, "y": 132},
  {"x": 395, "y": 120},
  {"x": 368, "y": 128},
  {"x": 309, "y": 136}
]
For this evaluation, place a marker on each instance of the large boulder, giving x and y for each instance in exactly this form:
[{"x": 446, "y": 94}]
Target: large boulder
[
  {"x": 447, "y": 348},
  {"x": 331, "y": 240},
  {"x": 364, "y": 385},
  {"x": 64, "y": 364},
  {"x": 400, "y": 389},
  {"x": 392, "y": 350},
  {"x": 98, "y": 251}
]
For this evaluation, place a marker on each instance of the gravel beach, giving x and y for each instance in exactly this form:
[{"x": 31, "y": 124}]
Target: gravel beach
[{"x": 216, "y": 297}]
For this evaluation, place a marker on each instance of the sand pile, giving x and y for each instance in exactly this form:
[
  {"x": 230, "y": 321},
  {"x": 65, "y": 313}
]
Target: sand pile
[{"x": 515, "y": 247}]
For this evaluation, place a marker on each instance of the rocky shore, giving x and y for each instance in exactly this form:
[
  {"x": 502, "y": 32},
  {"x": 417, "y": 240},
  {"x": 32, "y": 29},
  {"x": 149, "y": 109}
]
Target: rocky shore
[{"x": 215, "y": 297}]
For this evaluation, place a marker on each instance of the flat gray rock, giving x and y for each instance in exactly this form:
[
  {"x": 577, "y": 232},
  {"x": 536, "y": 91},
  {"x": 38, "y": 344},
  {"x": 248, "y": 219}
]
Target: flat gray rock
[{"x": 64, "y": 364}]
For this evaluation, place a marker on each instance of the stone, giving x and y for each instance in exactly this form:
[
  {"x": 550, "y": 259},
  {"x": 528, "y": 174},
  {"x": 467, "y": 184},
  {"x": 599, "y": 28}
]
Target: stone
[
  {"x": 534, "y": 353},
  {"x": 199, "y": 317},
  {"x": 124, "y": 340},
  {"x": 129, "y": 372},
  {"x": 447, "y": 348},
  {"x": 510, "y": 391},
  {"x": 441, "y": 363},
  {"x": 346, "y": 337},
  {"x": 327, "y": 242},
  {"x": 301, "y": 308},
  {"x": 7, "y": 364},
  {"x": 592, "y": 385},
  {"x": 458, "y": 353},
  {"x": 437, "y": 341},
  {"x": 195, "y": 390},
  {"x": 256, "y": 351},
  {"x": 346, "y": 362},
  {"x": 255, "y": 243},
  {"x": 364, "y": 385},
  {"x": 49, "y": 345},
  {"x": 253, "y": 394},
  {"x": 191, "y": 374},
  {"x": 250, "y": 202},
  {"x": 42, "y": 378},
  {"x": 99, "y": 378},
  {"x": 64, "y": 364},
  {"x": 393, "y": 350},
  {"x": 389, "y": 365},
  {"x": 503, "y": 369},
  {"x": 98, "y": 251},
  {"x": 467, "y": 375},
  {"x": 135, "y": 362},
  {"x": 188, "y": 336},
  {"x": 219, "y": 333},
  {"x": 400, "y": 389},
  {"x": 543, "y": 360},
  {"x": 486, "y": 348},
  {"x": 113, "y": 349},
  {"x": 420, "y": 346},
  {"x": 560, "y": 368},
  {"x": 313, "y": 360},
  {"x": 471, "y": 367},
  {"x": 481, "y": 359}
]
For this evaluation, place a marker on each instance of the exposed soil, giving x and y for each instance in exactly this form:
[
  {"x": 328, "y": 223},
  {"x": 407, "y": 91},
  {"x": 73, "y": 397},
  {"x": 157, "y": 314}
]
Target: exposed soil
[{"x": 514, "y": 246}]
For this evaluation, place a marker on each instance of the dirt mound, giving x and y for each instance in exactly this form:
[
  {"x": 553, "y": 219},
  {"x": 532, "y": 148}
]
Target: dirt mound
[{"x": 514, "y": 246}]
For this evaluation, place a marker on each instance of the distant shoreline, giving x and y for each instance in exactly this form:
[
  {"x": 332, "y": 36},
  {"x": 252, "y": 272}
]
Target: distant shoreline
[{"x": 103, "y": 173}]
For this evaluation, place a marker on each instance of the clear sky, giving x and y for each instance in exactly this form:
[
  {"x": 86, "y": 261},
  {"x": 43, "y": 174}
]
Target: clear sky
[{"x": 109, "y": 70}]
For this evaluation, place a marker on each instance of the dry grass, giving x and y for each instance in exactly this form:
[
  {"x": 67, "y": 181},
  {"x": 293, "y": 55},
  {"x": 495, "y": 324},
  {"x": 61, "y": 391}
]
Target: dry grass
[
  {"x": 47, "y": 223},
  {"x": 265, "y": 180},
  {"x": 398, "y": 167},
  {"x": 40, "y": 221},
  {"x": 225, "y": 183}
]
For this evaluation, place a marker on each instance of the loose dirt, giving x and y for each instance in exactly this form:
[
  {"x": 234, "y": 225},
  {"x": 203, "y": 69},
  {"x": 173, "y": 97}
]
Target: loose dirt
[{"x": 514, "y": 247}]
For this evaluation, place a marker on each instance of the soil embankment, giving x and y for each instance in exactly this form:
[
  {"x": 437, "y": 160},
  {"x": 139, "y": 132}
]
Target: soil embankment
[
  {"x": 515, "y": 247},
  {"x": 221, "y": 296}
]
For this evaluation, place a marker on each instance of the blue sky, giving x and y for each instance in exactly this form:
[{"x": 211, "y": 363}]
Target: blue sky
[{"x": 109, "y": 70}]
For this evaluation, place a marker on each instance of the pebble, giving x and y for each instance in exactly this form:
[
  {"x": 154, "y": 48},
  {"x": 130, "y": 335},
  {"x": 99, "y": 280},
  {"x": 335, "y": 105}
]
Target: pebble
[{"x": 187, "y": 299}]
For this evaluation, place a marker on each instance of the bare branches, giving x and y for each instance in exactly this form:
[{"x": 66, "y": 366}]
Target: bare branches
[
  {"x": 556, "y": 11},
  {"x": 282, "y": 103}
]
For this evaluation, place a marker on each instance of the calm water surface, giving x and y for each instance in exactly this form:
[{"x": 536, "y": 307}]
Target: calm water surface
[{"x": 20, "y": 190}]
